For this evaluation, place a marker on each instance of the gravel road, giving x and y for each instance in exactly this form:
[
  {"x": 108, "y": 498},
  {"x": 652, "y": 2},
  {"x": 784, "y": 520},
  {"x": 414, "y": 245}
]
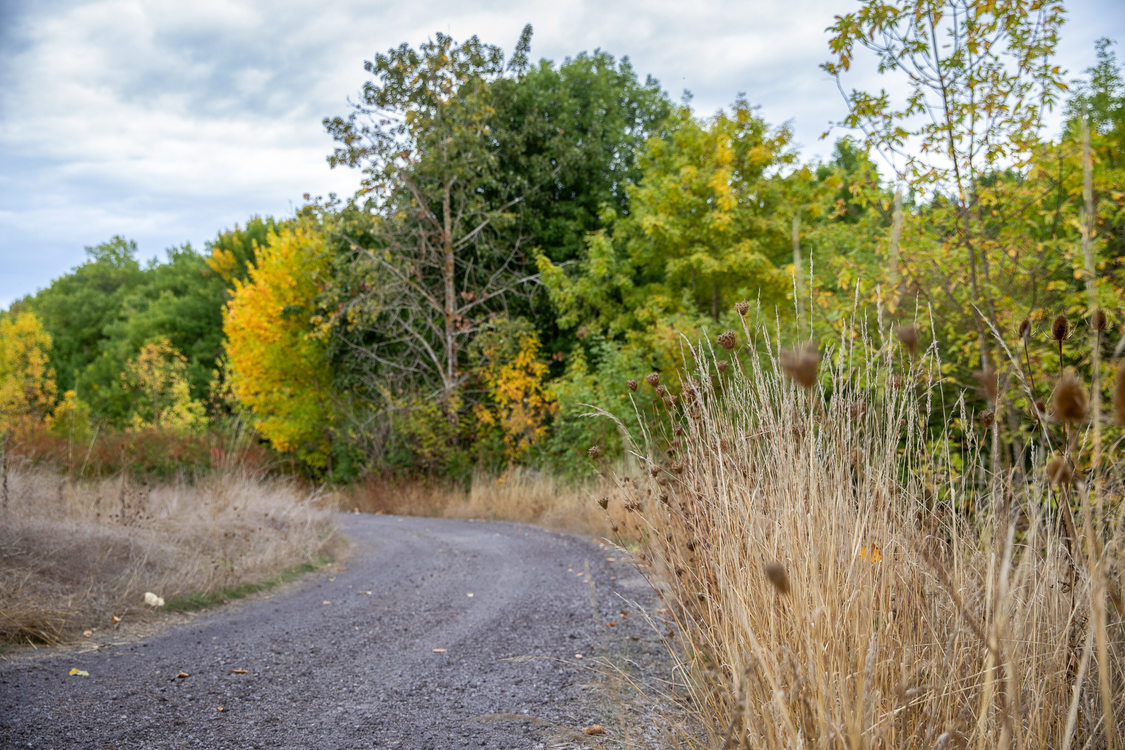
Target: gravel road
[{"x": 431, "y": 634}]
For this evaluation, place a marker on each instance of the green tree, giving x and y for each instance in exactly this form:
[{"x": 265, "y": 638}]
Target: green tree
[
  {"x": 76, "y": 310},
  {"x": 978, "y": 78},
  {"x": 709, "y": 224},
  {"x": 421, "y": 136}
]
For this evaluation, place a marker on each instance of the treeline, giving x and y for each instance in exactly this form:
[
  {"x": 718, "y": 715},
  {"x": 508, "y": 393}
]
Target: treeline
[{"x": 531, "y": 240}]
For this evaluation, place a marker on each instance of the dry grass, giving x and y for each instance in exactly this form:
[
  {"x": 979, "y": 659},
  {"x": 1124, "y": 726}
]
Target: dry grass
[
  {"x": 74, "y": 555},
  {"x": 520, "y": 495},
  {"x": 844, "y": 579}
]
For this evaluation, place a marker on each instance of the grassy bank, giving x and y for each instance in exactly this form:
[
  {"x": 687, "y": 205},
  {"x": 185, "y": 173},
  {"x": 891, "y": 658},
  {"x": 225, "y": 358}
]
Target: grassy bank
[
  {"x": 845, "y": 577},
  {"x": 520, "y": 495},
  {"x": 78, "y": 554}
]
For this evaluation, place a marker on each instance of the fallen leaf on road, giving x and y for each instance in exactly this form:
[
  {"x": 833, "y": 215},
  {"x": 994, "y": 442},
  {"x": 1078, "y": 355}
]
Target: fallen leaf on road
[
  {"x": 469, "y": 594},
  {"x": 87, "y": 633},
  {"x": 182, "y": 675},
  {"x": 366, "y": 592},
  {"x": 115, "y": 619},
  {"x": 611, "y": 624},
  {"x": 220, "y": 708},
  {"x": 326, "y": 602},
  {"x": 236, "y": 671},
  {"x": 79, "y": 672},
  {"x": 153, "y": 600},
  {"x": 578, "y": 656},
  {"x": 594, "y": 729},
  {"x": 439, "y": 650}
]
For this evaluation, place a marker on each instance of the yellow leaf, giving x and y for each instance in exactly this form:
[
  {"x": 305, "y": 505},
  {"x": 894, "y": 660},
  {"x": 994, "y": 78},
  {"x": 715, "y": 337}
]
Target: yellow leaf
[{"x": 79, "y": 672}]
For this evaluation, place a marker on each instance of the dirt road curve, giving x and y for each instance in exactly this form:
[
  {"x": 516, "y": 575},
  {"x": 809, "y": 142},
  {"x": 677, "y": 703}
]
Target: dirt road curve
[{"x": 427, "y": 635}]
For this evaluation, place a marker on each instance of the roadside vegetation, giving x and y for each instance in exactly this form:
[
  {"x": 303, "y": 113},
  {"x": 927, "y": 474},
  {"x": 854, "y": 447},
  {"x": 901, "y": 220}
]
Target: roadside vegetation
[
  {"x": 861, "y": 416},
  {"x": 80, "y": 554}
]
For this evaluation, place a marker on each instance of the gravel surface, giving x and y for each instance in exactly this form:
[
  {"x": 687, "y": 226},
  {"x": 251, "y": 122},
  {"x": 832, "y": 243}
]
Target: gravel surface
[{"x": 432, "y": 634}]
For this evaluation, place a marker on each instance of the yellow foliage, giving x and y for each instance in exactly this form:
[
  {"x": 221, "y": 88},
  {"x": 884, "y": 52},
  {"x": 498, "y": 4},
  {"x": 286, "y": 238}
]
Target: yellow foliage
[
  {"x": 158, "y": 377},
  {"x": 27, "y": 384},
  {"x": 279, "y": 369},
  {"x": 519, "y": 402}
]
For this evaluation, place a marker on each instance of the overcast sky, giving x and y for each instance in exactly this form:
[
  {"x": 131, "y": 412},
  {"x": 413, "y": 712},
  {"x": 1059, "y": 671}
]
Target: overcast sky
[{"x": 167, "y": 121}]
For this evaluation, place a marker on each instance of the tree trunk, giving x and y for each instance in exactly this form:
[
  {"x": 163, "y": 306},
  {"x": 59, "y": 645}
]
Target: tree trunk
[{"x": 447, "y": 271}]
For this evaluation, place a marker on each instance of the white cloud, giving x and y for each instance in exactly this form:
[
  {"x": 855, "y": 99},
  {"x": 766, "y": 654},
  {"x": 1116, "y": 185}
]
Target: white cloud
[{"x": 167, "y": 122}]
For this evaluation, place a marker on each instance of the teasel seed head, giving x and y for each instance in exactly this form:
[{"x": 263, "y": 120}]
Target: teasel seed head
[
  {"x": 1059, "y": 471},
  {"x": 986, "y": 417},
  {"x": 1098, "y": 320},
  {"x": 1025, "y": 329},
  {"x": 776, "y": 575},
  {"x": 800, "y": 364},
  {"x": 632, "y": 384},
  {"x": 1060, "y": 328},
  {"x": 604, "y": 502},
  {"x": 742, "y": 308},
  {"x": 653, "y": 379},
  {"x": 988, "y": 379},
  {"x": 1069, "y": 400},
  {"x": 727, "y": 340},
  {"x": 908, "y": 335}
]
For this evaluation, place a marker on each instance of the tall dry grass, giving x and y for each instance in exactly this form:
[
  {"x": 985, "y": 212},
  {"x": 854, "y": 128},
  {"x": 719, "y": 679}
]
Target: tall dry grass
[
  {"x": 521, "y": 495},
  {"x": 844, "y": 577},
  {"x": 76, "y": 554}
]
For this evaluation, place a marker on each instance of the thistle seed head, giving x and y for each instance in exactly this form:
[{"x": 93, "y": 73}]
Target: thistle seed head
[
  {"x": 1059, "y": 471},
  {"x": 908, "y": 335},
  {"x": 1098, "y": 320},
  {"x": 1060, "y": 329},
  {"x": 988, "y": 379},
  {"x": 742, "y": 308},
  {"x": 1069, "y": 400},
  {"x": 727, "y": 340},
  {"x": 776, "y": 575},
  {"x": 800, "y": 364}
]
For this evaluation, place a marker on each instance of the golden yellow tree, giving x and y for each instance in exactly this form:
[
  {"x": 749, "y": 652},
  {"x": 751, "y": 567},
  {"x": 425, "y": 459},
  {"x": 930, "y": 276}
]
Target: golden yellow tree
[
  {"x": 279, "y": 367},
  {"x": 27, "y": 383}
]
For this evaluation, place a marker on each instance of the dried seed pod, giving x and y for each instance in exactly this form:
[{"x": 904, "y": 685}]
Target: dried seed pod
[
  {"x": 986, "y": 418},
  {"x": 775, "y": 573},
  {"x": 988, "y": 379},
  {"x": 727, "y": 340},
  {"x": 742, "y": 308},
  {"x": 1098, "y": 320},
  {"x": 1060, "y": 329},
  {"x": 908, "y": 335},
  {"x": 1025, "y": 329},
  {"x": 800, "y": 364},
  {"x": 604, "y": 502},
  {"x": 1069, "y": 400},
  {"x": 722, "y": 366},
  {"x": 594, "y": 452},
  {"x": 632, "y": 384},
  {"x": 1059, "y": 471},
  {"x": 653, "y": 379}
]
